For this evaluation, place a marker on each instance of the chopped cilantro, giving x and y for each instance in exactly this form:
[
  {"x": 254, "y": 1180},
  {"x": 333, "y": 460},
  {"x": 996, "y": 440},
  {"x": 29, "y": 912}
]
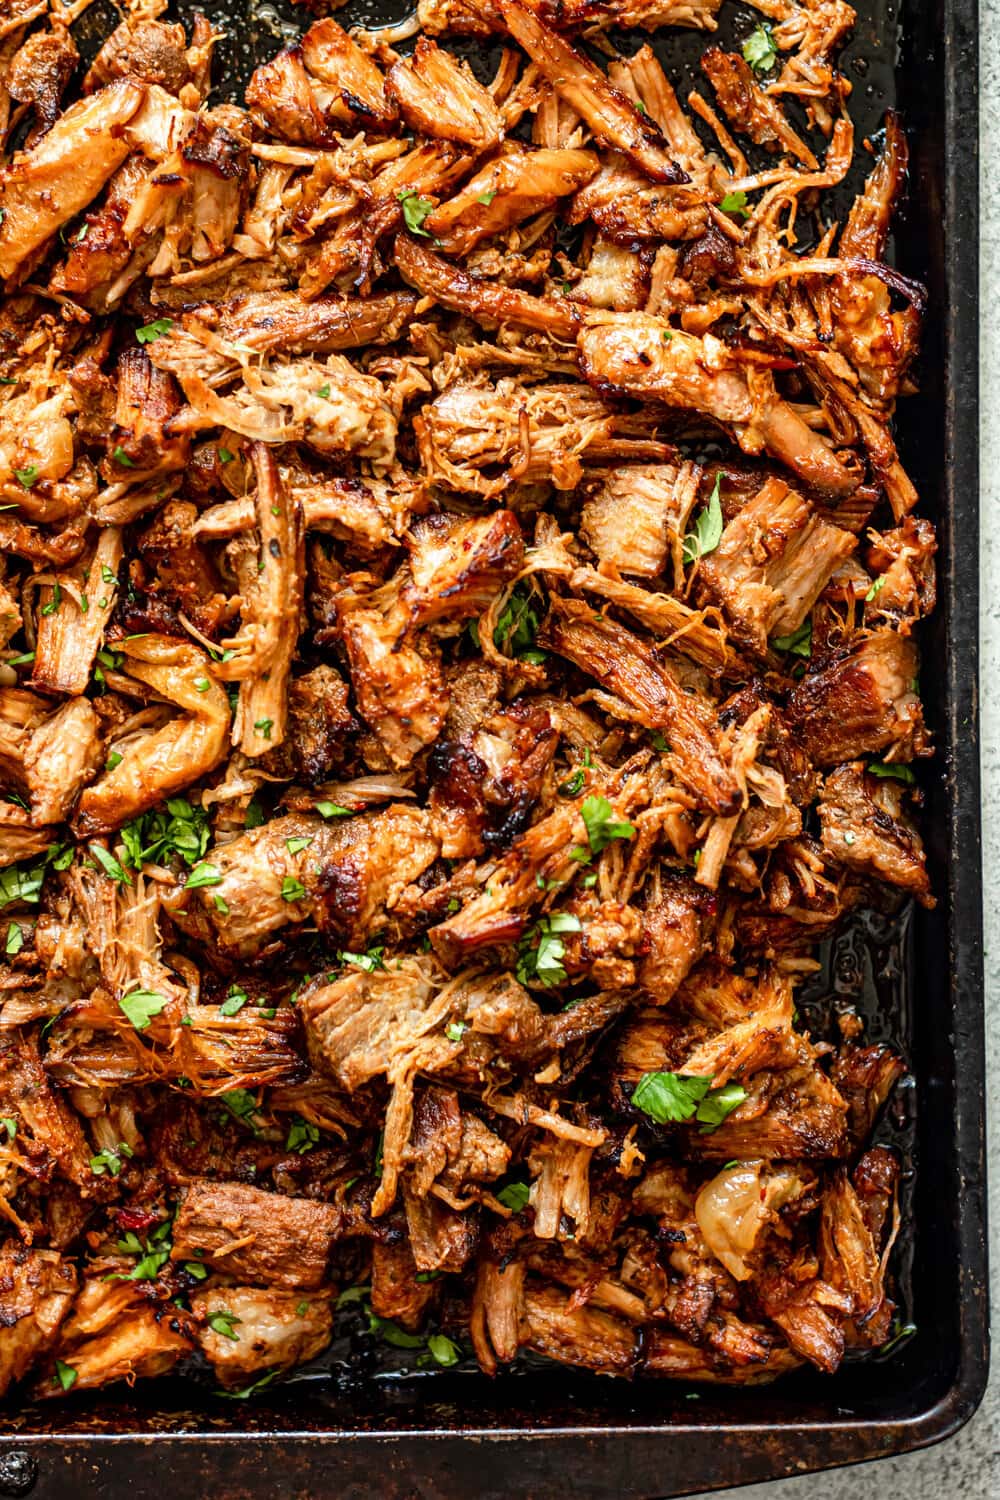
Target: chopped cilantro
[
  {"x": 891, "y": 772},
  {"x": 601, "y": 825},
  {"x": 121, "y": 457},
  {"x": 415, "y": 211},
  {"x": 799, "y": 642},
  {"x": 65, "y": 1375},
  {"x": 150, "y": 332},
  {"x": 110, "y": 865},
  {"x": 517, "y": 625},
  {"x": 203, "y": 874},
  {"x": 140, "y": 1006},
  {"x": 542, "y": 950},
  {"x": 181, "y": 828},
  {"x": 15, "y": 939},
  {"x": 736, "y": 203},
  {"x": 234, "y": 1001},
  {"x": 109, "y": 1159},
  {"x": 292, "y": 889},
  {"x": 708, "y": 526},
  {"x": 224, "y": 1323},
  {"x": 759, "y": 49},
  {"x": 302, "y": 1136},
  {"x": 369, "y": 961},
  {"x": 26, "y": 476},
  {"x": 333, "y": 810},
  {"x": 514, "y": 1196}
]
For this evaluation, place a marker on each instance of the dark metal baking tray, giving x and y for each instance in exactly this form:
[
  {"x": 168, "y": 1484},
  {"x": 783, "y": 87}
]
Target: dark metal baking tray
[{"x": 538, "y": 1432}]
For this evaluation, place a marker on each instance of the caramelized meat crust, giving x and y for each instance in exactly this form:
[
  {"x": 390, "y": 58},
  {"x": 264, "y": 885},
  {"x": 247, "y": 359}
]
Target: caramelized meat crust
[{"x": 459, "y": 657}]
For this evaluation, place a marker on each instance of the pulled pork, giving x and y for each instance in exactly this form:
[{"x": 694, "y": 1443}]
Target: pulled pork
[{"x": 451, "y": 682}]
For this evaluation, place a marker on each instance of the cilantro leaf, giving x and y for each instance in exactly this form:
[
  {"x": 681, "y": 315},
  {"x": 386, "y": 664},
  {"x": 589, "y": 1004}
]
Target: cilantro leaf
[
  {"x": 392, "y": 1333},
  {"x": 203, "y": 874},
  {"x": 333, "y": 810},
  {"x": 234, "y": 1001},
  {"x": 517, "y": 625},
  {"x": 443, "y": 1351},
  {"x": 240, "y": 1103},
  {"x": 542, "y": 950},
  {"x": 671, "y": 1097},
  {"x": 150, "y": 332},
  {"x": 26, "y": 478},
  {"x": 292, "y": 889},
  {"x": 18, "y": 883},
  {"x": 140, "y": 1006},
  {"x": 223, "y": 1322},
  {"x": 415, "y": 211},
  {"x": 514, "y": 1196},
  {"x": 736, "y": 203},
  {"x": 181, "y": 828},
  {"x": 369, "y": 961},
  {"x": 799, "y": 642},
  {"x": 716, "y": 1105},
  {"x": 573, "y": 785},
  {"x": 302, "y": 1136},
  {"x": 15, "y": 939},
  {"x": 708, "y": 527},
  {"x": 110, "y": 865},
  {"x": 891, "y": 772},
  {"x": 65, "y": 1375},
  {"x": 109, "y": 1159},
  {"x": 667, "y": 1097},
  {"x": 601, "y": 825},
  {"x": 759, "y": 49}
]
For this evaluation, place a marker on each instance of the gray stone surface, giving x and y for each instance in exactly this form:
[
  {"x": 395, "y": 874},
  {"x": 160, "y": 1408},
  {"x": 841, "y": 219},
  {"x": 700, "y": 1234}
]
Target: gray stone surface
[{"x": 968, "y": 1465}]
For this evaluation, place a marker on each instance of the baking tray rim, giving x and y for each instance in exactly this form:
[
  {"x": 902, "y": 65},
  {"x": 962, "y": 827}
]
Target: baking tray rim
[{"x": 791, "y": 1446}]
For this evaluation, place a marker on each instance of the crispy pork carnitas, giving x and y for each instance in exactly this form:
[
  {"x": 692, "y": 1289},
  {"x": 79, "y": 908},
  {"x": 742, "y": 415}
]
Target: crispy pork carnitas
[{"x": 458, "y": 607}]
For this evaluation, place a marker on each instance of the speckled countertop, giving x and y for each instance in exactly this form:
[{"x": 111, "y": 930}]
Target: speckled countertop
[{"x": 968, "y": 1465}]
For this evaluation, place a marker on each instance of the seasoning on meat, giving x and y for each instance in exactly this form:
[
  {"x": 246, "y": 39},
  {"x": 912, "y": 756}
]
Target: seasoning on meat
[{"x": 458, "y": 660}]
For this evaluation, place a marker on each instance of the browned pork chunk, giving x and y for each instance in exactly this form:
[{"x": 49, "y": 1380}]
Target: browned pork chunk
[
  {"x": 247, "y": 1330},
  {"x": 44, "y": 188},
  {"x": 639, "y": 356},
  {"x": 863, "y": 703},
  {"x": 36, "y": 1292},
  {"x": 774, "y": 560},
  {"x": 612, "y": 118},
  {"x": 511, "y": 187},
  {"x": 867, "y": 829},
  {"x": 637, "y": 515},
  {"x": 439, "y": 95},
  {"x": 647, "y": 685},
  {"x": 115, "y": 1332},
  {"x": 347, "y": 874},
  {"x": 255, "y": 1236}
]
